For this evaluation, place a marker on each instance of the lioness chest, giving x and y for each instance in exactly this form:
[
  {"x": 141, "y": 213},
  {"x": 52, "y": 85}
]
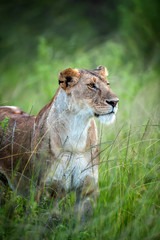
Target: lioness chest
[{"x": 71, "y": 169}]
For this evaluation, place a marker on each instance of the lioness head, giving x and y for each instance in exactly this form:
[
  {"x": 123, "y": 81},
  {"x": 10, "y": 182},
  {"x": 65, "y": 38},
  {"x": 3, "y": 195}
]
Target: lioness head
[{"x": 90, "y": 90}]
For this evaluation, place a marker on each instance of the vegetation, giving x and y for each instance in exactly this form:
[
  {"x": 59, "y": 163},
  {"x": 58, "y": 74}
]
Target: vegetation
[{"x": 38, "y": 41}]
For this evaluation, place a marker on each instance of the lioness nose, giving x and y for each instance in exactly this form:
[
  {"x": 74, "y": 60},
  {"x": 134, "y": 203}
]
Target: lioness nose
[{"x": 113, "y": 103}]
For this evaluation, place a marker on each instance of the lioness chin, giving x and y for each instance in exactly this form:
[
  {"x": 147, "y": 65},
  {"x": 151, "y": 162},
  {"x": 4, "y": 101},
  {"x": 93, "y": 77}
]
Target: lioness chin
[{"x": 58, "y": 149}]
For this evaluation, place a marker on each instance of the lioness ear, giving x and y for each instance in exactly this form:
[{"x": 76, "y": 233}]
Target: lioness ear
[
  {"x": 102, "y": 71},
  {"x": 68, "y": 78}
]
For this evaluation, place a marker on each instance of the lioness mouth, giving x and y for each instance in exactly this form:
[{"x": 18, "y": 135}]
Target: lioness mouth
[{"x": 97, "y": 115}]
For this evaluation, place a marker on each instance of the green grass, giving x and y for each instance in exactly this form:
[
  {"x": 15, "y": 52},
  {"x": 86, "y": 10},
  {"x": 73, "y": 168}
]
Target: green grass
[
  {"x": 129, "y": 171},
  {"x": 128, "y": 206}
]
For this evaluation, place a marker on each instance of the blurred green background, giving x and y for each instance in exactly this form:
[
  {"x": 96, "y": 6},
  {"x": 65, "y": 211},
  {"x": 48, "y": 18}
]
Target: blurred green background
[{"x": 38, "y": 39}]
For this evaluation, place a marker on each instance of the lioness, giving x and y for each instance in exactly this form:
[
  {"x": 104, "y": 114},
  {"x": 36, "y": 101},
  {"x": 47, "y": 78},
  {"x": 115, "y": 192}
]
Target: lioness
[{"x": 58, "y": 149}]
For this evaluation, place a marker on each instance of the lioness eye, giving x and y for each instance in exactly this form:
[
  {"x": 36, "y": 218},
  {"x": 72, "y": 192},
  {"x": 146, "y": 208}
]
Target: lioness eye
[
  {"x": 92, "y": 85},
  {"x": 108, "y": 83}
]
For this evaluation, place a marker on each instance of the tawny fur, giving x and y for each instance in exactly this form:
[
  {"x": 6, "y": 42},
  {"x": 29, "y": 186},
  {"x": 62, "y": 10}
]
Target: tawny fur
[{"x": 57, "y": 150}]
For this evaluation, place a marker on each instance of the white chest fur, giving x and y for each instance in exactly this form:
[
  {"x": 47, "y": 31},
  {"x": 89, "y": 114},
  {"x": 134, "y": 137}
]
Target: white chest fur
[
  {"x": 69, "y": 123},
  {"x": 71, "y": 169},
  {"x": 74, "y": 135}
]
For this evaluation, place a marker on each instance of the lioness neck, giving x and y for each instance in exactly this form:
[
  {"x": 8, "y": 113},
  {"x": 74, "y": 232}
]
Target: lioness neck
[{"x": 68, "y": 122}]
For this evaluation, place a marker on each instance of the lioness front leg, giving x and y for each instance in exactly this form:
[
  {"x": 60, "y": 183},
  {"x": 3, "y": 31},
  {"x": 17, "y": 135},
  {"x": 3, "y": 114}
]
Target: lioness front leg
[{"x": 86, "y": 194}]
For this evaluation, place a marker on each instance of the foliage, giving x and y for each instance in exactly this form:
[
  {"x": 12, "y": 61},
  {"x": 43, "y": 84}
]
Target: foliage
[
  {"x": 4, "y": 123},
  {"x": 139, "y": 27}
]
